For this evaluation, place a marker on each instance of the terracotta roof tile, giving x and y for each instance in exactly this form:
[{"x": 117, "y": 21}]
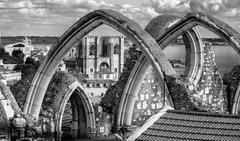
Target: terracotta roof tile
[{"x": 178, "y": 125}]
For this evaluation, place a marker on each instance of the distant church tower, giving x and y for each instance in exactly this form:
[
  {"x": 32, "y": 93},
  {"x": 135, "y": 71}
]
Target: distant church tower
[{"x": 101, "y": 57}]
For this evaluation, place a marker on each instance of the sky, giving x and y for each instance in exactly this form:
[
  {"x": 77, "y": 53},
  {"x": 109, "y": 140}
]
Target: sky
[{"x": 54, "y": 17}]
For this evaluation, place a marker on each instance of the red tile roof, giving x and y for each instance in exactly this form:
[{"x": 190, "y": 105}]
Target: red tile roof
[{"x": 179, "y": 125}]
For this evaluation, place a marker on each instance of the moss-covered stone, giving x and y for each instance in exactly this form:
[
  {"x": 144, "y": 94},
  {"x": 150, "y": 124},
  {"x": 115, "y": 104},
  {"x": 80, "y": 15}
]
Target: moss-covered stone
[
  {"x": 183, "y": 98},
  {"x": 231, "y": 80}
]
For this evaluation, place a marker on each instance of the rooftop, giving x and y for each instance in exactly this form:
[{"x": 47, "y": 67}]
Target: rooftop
[
  {"x": 5, "y": 70},
  {"x": 180, "y": 125}
]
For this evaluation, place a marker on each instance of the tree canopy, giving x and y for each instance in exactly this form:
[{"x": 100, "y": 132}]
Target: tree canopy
[
  {"x": 113, "y": 95},
  {"x": 20, "y": 89}
]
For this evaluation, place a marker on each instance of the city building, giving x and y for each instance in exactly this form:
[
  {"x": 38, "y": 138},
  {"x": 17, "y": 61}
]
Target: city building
[
  {"x": 61, "y": 66},
  {"x": 9, "y": 77},
  {"x": 101, "y": 57},
  {"x": 72, "y": 53},
  {"x": 37, "y": 55},
  {"x": 24, "y": 46}
]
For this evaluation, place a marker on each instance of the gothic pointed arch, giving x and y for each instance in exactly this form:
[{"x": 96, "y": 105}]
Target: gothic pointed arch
[
  {"x": 86, "y": 24},
  {"x": 65, "y": 88},
  {"x": 218, "y": 27},
  {"x": 193, "y": 71},
  {"x": 192, "y": 40}
]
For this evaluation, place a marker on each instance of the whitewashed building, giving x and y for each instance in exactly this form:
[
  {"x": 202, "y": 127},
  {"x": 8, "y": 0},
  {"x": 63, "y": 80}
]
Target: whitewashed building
[{"x": 24, "y": 46}]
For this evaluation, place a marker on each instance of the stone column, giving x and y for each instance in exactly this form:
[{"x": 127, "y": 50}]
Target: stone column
[
  {"x": 91, "y": 132},
  {"x": 111, "y": 51},
  {"x": 74, "y": 129}
]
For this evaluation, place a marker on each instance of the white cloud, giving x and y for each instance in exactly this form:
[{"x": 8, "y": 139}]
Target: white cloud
[
  {"x": 233, "y": 12},
  {"x": 168, "y": 5},
  {"x": 181, "y": 7},
  {"x": 50, "y": 13},
  {"x": 20, "y": 4},
  {"x": 215, "y": 7},
  {"x": 35, "y": 12}
]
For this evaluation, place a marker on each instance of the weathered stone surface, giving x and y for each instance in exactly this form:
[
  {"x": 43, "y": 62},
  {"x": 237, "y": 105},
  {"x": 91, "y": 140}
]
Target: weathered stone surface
[
  {"x": 210, "y": 86},
  {"x": 223, "y": 27},
  {"x": 160, "y": 24},
  {"x": 184, "y": 97},
  {"x": 231, "y": 80},
  {"x": 8, "y": 94},
  {"x": 86, "y": 24},
  {"x": 58, "y": 87}
]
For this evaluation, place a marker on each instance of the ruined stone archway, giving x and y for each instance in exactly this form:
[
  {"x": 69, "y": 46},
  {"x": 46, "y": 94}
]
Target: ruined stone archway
[
  {"x": 165, "y": 29},
  {"x": 8, "y": 109},
  {"x": 192, "y": 40},
  {"x": 193, "y": 71},
  {"x": 86, "y": 24},
  {"x": 63, "y": 88},
  {"x": 218, "y": 27}
]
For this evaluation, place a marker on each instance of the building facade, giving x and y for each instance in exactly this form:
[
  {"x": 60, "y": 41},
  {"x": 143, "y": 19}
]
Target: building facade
[
  {"x": 24, "y": 46},
  {"x": 101, "y": 57},
  {"x": 8, "y": 77}
]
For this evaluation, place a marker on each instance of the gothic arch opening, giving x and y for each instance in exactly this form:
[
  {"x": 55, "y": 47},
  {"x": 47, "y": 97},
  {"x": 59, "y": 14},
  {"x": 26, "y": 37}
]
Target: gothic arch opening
[
  {"x": 104, "y": 65},
  {"x": 191, "y": 40},
  {"x": 194, "y": 64},
  {"x": 74, "y": 119},
  {"x": 86, "y": 24},
  {"x": 74, "y": 116},
  {"x": 218, "y": 27}
]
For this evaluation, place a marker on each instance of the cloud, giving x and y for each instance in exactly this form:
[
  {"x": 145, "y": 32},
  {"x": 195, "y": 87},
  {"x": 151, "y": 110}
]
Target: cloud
[
  {"x": 33, "y": 12},
  {"x": 218, "y": 8},
  {"x": 232, "y": 13},
  {"x": 53, "y": 14},
  {"x": 164, "y": 6}
]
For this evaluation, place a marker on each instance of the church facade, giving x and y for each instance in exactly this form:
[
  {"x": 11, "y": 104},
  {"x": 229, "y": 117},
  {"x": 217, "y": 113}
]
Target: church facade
[{"x": 101, "y": 57}]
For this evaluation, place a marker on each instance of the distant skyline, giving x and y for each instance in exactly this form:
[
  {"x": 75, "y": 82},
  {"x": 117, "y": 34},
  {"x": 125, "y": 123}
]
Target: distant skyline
[{"x": 54, "y": 17}]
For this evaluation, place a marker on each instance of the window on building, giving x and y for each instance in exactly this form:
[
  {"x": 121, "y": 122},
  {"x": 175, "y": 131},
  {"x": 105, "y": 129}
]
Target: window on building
[
  {"x": 104, "y": 85},
  {"x": 116, "y": 49},
  {"x": 91, "y": 69},
  {"x": 98, "y": 85},
  {"x": 107, "y": 75},
  {"x": 92, "y": 50},
  {"x": 116, "y": 69},
  {"x": 104, "y": 65},
  {"x": 104, "y": 48}
]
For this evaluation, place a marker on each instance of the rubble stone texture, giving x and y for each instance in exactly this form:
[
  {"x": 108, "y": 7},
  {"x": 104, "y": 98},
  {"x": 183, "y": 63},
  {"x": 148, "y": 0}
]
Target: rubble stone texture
[{"x": 231, "y": 80}]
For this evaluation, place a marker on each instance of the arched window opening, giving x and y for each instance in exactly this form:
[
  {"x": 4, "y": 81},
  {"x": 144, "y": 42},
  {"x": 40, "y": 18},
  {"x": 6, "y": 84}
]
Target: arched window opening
[
  {"x": 116, "y": 49},
  {"x": 92, "y": 50}
]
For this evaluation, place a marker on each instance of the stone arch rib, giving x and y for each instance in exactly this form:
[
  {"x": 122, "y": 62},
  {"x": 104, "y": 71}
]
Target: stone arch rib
[
  {"x": 158, "y": 29},
  {"x": 86, "y": 24},
  {"x": 63, "y": 88},
  {"x": 155, "y": 27},
  {"x": 80, "y": 97},
  {"x": 218, "y": 27},
  {"x": 193, "y": 19}
]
